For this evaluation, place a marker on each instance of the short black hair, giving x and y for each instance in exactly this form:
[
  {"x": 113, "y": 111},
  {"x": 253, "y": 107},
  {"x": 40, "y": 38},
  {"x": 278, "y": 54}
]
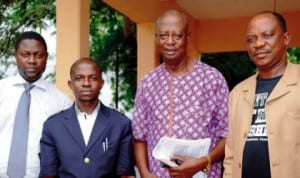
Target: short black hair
[
  {"x": 280, "y": 19},
  {"x": 30, "y": 35},
  {"x": 82, "y": 60}
]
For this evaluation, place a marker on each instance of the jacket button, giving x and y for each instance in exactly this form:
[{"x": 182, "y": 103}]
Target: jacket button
[{"x": 86, "y": 160}]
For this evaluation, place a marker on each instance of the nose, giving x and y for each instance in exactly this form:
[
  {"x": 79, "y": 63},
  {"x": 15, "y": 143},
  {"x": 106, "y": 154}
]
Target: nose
[
  {"x": 170, "y": 39},
  {"x": 86, "y": 82},
  {"x": 259, "y": 42},
  {"x": 31, "y": 59}
]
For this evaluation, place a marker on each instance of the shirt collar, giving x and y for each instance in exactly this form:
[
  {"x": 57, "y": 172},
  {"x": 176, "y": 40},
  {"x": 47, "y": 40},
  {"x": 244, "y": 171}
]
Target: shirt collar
[
  {"x": 95, "y": 111},
  {"x": 40, "y": 83}
]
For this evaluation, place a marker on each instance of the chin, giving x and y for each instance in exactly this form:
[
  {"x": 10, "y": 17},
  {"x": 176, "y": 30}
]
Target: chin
[
  {"x": 261, "y": 61},
  {"x": 87, "y": 99}
]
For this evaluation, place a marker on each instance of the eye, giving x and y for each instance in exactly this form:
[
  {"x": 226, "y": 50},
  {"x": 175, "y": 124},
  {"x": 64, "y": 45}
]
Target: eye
[
  {"x": 268, "y": 35},
  {"x": 94, "y": 78},
  {"x": 25, "y": 55},
  {"x": 163, "y": 36},
  {"x": 40, "y": 55},
  {"x": 177, "y": 36},
  {"x": 78, "y": 78},
  {"x": 251, "y": 39}
]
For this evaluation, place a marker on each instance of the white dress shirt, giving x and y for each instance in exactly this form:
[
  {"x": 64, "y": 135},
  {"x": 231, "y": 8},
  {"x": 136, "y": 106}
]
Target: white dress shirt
[
  {"x": 46, "y": 100},
  {"x": 86, "y": 122}
]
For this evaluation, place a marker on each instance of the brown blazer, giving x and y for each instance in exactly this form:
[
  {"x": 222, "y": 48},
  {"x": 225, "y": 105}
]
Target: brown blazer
[{"x": 282, "y": 111}]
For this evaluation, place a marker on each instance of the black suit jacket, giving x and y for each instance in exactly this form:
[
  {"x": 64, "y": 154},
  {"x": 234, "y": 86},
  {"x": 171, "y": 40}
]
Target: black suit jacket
[{"x": 109, "y": 152}]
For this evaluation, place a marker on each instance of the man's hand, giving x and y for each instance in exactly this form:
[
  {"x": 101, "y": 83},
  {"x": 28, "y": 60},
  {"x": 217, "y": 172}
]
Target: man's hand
[{"x": 188, "y": 167}]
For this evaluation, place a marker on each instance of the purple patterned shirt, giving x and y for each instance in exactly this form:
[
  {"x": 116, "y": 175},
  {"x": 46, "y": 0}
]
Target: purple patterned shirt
[{"x": 198, "y": 102}]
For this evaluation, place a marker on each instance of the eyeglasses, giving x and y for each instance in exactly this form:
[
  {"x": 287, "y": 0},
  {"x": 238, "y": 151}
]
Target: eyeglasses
[{"x": 166, "y": 36}]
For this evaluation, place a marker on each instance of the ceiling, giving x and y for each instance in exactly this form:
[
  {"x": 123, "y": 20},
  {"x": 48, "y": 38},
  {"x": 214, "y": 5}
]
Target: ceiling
[
  {"x": 148, "y": 10},
  {"x": 220, "y": 9}
]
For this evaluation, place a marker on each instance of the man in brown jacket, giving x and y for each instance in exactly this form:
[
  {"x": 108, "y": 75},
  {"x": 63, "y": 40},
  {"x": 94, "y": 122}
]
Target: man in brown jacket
[{"x": 264, "y": 110}]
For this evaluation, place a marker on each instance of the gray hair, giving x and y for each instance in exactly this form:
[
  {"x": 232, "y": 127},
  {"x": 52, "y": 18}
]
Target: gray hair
[{"x": 180, "y": 14}]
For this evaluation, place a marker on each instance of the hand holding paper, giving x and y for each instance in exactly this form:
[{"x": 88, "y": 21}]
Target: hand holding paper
[{"x": 167, "y": 147}]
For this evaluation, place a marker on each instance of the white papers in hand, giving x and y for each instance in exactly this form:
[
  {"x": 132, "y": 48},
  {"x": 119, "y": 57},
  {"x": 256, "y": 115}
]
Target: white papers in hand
[{"x": 167, "y": 147}]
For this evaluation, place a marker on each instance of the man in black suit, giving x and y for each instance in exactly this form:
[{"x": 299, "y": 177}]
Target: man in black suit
[{"x": 88, "y": 139}]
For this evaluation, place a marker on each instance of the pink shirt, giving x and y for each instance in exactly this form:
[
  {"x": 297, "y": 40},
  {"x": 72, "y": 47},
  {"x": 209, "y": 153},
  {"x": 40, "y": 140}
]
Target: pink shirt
[{"x": 198, "y": 101}]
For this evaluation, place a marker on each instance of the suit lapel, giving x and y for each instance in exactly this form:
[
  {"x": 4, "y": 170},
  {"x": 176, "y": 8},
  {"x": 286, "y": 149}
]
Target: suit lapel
[
  {"x": 101, "y": 125},
  {"x": 249, "y": 90},
  {"x": 289, "y": 78},
  {"x": 72, "y": 126},
  {"x": 279, "y": 90}
]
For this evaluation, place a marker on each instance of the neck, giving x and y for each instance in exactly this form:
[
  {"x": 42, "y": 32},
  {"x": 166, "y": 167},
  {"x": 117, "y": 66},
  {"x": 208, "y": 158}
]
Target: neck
[
  {"x": 180, "y": 68},
  {"x": 275, "y": 71},
  {"x": 87, "y": 107}
]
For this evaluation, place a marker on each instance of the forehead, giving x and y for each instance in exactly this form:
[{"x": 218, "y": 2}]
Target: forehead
[
  {"x": 31, "y": 44},
  {"x": 262, "y": 23},
  {"x": 171, "y": 22},
  {"x": 86, "y": 67}
]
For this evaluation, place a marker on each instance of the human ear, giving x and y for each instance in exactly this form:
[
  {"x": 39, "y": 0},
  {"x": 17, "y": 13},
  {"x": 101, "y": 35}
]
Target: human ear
[
  {"x": 287, "y": 38},
  {"x": 70, "y": 84}
]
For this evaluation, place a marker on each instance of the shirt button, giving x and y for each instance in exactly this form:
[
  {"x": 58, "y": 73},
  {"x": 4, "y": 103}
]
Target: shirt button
[{"x": 86, "y": 160}]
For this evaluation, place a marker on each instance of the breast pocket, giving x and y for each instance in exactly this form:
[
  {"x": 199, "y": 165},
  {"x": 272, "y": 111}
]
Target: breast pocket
[{"x": 291, "y": 127}]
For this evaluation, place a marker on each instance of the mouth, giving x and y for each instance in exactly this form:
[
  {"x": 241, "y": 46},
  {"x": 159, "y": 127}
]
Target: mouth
[
  {"x": 86, "y": 92},
  {"x": 31, "y": 70},
  {"x": 170, "y": 51},
  {"x": 261, "y": 54}
]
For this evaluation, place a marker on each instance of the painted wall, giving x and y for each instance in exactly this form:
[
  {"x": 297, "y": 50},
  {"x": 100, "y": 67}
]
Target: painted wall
[{"x": 231, "y": 36}]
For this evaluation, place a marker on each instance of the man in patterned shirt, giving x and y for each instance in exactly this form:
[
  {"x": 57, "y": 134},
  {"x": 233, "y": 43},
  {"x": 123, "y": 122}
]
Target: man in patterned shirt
[{"x": 182, "y": 98}]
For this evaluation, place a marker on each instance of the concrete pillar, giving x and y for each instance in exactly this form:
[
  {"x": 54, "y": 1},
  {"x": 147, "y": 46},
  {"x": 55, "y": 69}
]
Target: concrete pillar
[
  {"x": 147, "y": 54},
  {"x": 73, "y": 28}
]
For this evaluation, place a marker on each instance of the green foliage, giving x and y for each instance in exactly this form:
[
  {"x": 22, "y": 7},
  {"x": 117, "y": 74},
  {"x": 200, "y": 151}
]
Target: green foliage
[
  {"x": 294, "y": 55},
  {"x": 235, "y": 66},
  {"x": 17, "y": 16},
  {"x": 113, "y": 46}
]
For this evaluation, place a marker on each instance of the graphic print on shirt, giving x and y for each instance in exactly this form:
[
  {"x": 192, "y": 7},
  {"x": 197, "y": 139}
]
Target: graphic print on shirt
[
  {"x": 258, "y": 128},
  {"x": 256, "y": 153}
]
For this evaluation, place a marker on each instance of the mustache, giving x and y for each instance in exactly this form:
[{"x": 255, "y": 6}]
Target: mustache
[{"x": 261, "y": 51}]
